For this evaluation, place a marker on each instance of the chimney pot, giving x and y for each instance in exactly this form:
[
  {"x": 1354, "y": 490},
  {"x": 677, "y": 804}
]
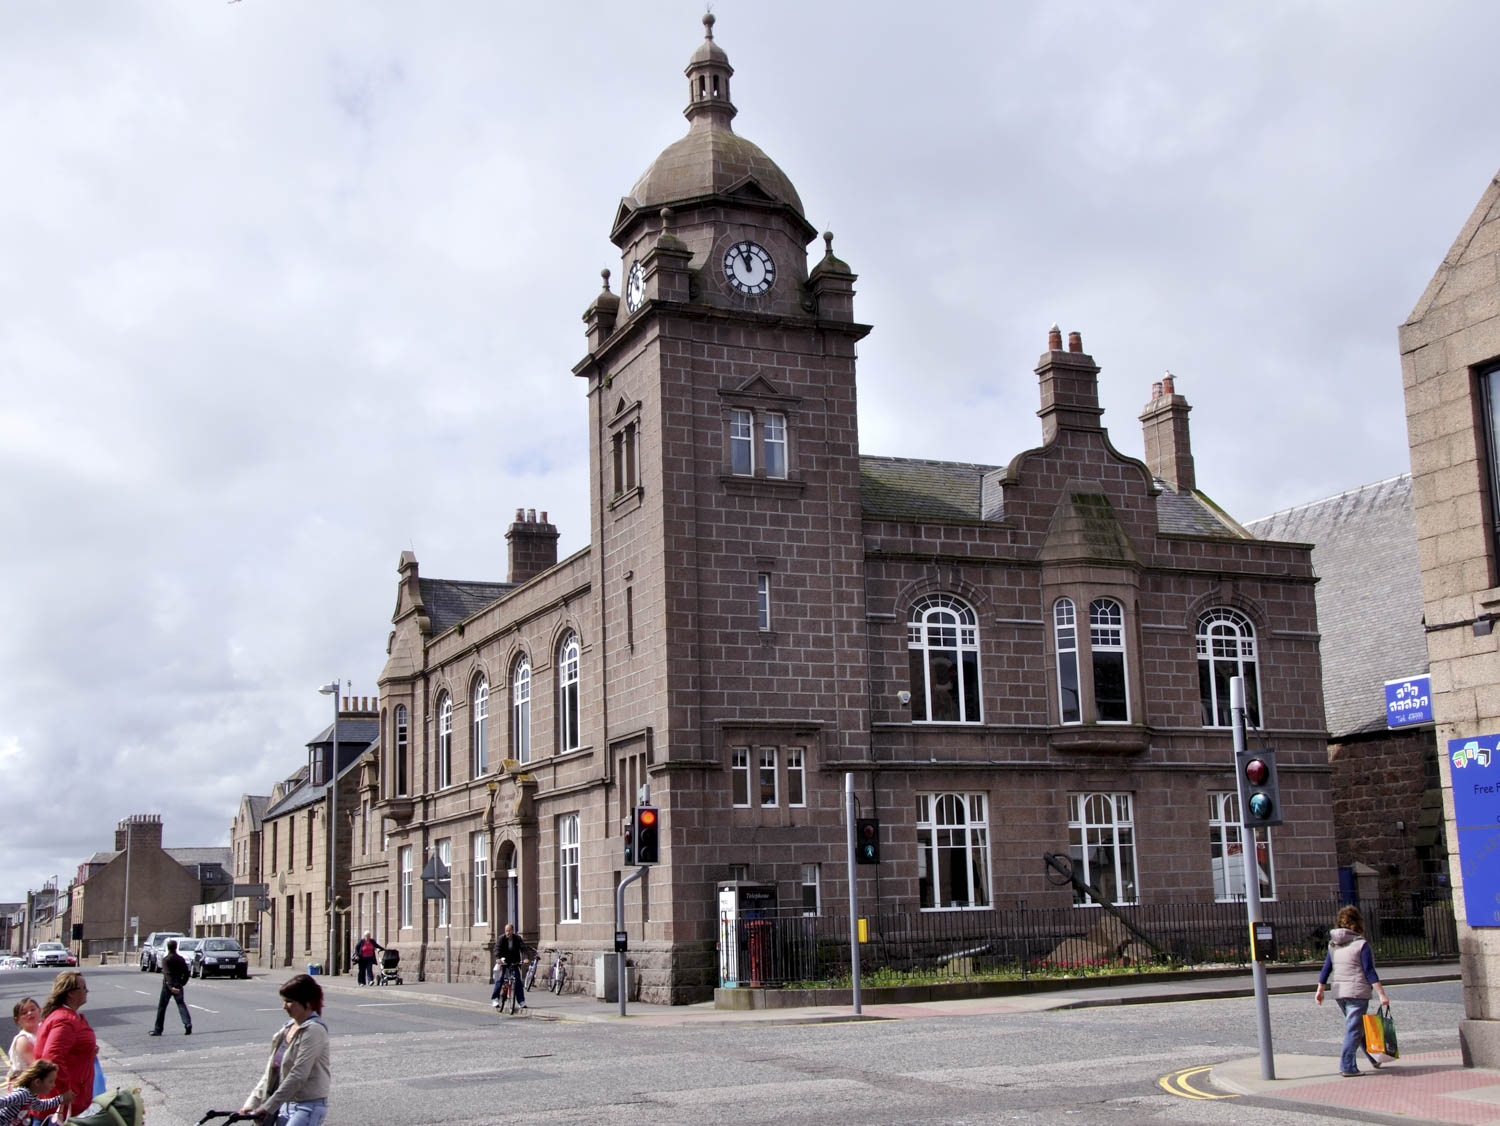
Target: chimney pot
[
  {"x": 531, "y": 516},
  {"x": 1075, "y": 342},
  {"x": 520, "y": 515},
  {"x": 1167, "y": 384},
  {"x": 1054, "y": 339},
  {"x": 544, "y": 516},
  {"x": 1156, "y": 390}
]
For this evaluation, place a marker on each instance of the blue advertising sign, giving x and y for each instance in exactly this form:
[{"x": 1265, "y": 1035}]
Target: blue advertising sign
[
  {"x": 1476, "y": 815},
  {"x": 1408, "y": 701}
]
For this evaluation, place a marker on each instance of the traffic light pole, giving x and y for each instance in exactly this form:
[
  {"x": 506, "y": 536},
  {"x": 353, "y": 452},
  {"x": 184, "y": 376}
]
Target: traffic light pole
[
  {"x": 620, "y": 981},
  {"x": 1252, "y": 886},
  {"x": 853, "y": 893}
]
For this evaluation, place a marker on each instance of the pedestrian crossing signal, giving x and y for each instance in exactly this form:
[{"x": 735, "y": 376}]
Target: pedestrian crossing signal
[{"x": 867, "y": 840}]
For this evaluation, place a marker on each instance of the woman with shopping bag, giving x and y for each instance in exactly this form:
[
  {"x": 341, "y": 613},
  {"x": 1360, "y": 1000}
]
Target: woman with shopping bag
[{"x": 1351, "y": 967}]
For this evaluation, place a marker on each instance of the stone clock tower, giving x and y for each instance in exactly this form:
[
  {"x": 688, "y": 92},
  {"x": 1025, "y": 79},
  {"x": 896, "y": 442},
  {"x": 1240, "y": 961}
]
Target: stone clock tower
[{"x": 728, "y": 566}]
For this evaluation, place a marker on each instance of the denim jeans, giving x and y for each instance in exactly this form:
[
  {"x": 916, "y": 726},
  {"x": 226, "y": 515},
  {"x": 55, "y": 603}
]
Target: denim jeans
[
  {"x": 308, "y": 1113},
  {"x": 509, "y": 971},
  {"x": 1354, "y": 1030},
  {"x": 167, "y": 996}
]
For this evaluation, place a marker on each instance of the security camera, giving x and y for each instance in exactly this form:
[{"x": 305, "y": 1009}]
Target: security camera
[{"x": 904, "y": 697}]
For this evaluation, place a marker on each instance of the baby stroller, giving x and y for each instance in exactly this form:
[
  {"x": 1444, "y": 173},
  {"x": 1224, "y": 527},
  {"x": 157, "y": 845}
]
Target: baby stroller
[{"x": 390, "y": 968}]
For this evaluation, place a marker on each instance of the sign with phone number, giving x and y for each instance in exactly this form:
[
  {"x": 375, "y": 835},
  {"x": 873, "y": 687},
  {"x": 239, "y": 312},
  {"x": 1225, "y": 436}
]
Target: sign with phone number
[{"x": 1475, "y": 770}]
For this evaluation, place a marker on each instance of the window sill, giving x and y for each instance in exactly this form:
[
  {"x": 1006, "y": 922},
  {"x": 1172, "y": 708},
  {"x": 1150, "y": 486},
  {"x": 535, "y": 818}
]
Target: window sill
[
  {"x": 398, "y": 810},
  {"x": 628, "y": 501},
  {"x": 763, "y": 486},
  {"x": 934, "y": 910},
  {"x": 1116, "y": 739}
]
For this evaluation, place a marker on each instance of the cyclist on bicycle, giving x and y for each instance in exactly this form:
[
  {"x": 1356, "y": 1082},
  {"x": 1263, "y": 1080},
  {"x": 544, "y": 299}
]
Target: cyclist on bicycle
[{"x": 510, "y": 951}]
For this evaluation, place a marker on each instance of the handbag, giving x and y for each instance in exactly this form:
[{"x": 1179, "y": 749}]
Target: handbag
[{"x": 1380, "y": 1033}]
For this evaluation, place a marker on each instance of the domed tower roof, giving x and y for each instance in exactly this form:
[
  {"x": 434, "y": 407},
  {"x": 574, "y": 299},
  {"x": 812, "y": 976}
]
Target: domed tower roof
[{"x": 712, "y": 158}]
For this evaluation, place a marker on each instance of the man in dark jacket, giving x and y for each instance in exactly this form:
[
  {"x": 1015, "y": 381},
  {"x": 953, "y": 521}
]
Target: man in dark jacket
[
  {"x": 174, "y": 979},
  {"x": 509, "y": 952}
]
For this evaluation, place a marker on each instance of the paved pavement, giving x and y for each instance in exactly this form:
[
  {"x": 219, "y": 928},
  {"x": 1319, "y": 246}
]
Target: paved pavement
[{"x": 1432, "y": 1087}]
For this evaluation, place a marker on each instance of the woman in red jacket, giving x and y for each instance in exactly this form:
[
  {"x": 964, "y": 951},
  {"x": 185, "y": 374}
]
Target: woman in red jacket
[{"x": 66, "y": 1039}]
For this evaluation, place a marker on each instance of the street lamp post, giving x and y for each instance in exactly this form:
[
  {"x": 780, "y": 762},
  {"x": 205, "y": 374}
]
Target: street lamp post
[{"x": 333, "y": 825}]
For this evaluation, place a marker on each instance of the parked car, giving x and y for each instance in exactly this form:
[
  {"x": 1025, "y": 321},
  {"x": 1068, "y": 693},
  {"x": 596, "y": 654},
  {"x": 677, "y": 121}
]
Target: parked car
[
  {"x": 222, "y": 956},
  {"x": 11, "y": 962},
  {"x": 51, "y": 954},
  {"x": 154, "y": 949}
]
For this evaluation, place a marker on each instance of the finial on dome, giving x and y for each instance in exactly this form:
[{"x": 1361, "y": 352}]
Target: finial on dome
[
  {"x": 604, "y": 273},
  {"x": 708, "y": 24},
  {"x": 827, "y": 242},
  {"x": 666, "y": 218}
]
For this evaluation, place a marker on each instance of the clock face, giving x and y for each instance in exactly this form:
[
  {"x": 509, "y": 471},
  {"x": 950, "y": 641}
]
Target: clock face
[
  {"x": 749, "y": 268},
  {"x": 635, "y": 288}
]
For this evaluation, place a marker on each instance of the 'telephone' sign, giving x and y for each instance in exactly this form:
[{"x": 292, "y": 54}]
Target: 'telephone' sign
[
  {"x": 1408, "y": 701},
  {"x": 1476, "y": 815}
]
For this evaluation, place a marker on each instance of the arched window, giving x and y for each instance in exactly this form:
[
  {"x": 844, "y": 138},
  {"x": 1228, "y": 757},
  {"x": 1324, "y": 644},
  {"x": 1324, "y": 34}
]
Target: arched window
[
  {"x": 1226, "y": 649},
  {"x": 520, "y": 711},
  {"x": 1107, "y": 647},
  {"x": 402, "y": 747},
  {"x": 1101, "y": 843},
  {"x": 942, "y": 638},
  {"x": 479, "y": 751},
  {"x": 953, "y": 851},
  {"x": 1065, "y": 629},
  {"x": 567, "y": 695},
  {"x": 445, "y": 741}
]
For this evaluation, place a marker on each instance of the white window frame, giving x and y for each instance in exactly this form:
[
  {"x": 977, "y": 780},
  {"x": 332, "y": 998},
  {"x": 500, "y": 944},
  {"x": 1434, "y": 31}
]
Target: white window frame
[
  {"x": 741, "y": 442},
  {"x": 1226, "y": 852},
  {"x": 767, "y": 760},
  {"x": 1065, "y": 635},
  {"x": 1107, "y": 637},
  {"x": 763, "y": 601},
  {"x": 405, "y": 868},
  {"x": 401, "y": 784},
  {"x": 479, "y": 729},
  {"x": 445, "y": 742},
  {"x": 944, "y": 625},
  {"x": 568, "y": 661},
  {"x": 796, "y": 777},
  {"x": 951, "y": 823},
  {"x": 444, "y": 851},
  {"x": 520, "y": 710},
  {"x": 773, "y": 435},
  {"x": 812, "y": 881},
  {"x": 569, "y": 850},
  {"x": 739, "y": 777},
  {"x": 1226, "y": 636},
  {"x": 1101, "y": 843},
  {"x": 479, "y": 851}
]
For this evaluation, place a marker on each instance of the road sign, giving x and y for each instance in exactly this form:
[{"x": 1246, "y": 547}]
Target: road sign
[
  {"x": 1408, "y": 701},
  {"x": 1475, "y": 773},
  {"x": 435, "y": 879}
]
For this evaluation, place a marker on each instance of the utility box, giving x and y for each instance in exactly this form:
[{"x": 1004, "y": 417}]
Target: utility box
[
  {"x": 745, "y": 914},
  {"x": 605, "y": 973}
]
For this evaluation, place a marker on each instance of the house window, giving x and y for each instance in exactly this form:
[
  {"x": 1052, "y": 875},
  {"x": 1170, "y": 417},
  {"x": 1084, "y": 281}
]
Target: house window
[
  {"x": 479, "y": 752},
  {"x": 812, "y": 902},
  {"x": 364, "y": 828},
  {"x": 445, "y": 858},
  {"x": 741, "y": 443},
  {"x": 479, "y": 850},
  {"x": 763, "y": 601},
  {"x": 626, "y": 458},
  {"x": 1226, "y": 649},
  {"x": 768, "y": 776},
  {"x": 520, "y": 711},
  {"x": 403, "y": 781},
  {"x": 1065, "y": 629},
  {"x": 568, "y": 738},
  {"x": 739, "y": 775},
  {"x": 311, "y": 838},
  {"x": 796, "y": 777},
  {"x": 445, "y": 742},
  {"x": 943, "y": 644},
  {"x": 568, "y": 868},
  {"x": 1107, "y": 647},
  {"x": 274, "y": 844},
  {"x": 773, "y": 434},
  {"x": 953, "y": 852},
  {"x": 1227, "y": 851},
  {"x": 1101, "y": 842},
  {"x": 405, "y": 891},
  {"x": 1489, "y": 405}
]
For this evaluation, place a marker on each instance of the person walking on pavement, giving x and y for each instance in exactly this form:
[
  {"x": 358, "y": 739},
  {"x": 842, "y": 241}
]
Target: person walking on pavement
[
  {"x": 364, "y": 950},
  {"x": 1352, "y": 967},
  {"x": 66, "y": 1039},
  {"x": 174, "y": 979},
  {"x": 509, "y": 952},
  {"x": 293, "y": 1090}
]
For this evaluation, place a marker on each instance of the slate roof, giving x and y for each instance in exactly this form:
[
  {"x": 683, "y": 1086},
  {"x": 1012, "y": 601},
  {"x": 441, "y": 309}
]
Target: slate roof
[
  {"x": 257, "y": 804},
  {"x": 217, "y": 855},
  {"x": 1191, "y": 514},
  {"x": 1369, "y": 597},
  {"x": 350, "y": 752},
  {"x": 450, "y": 601}
]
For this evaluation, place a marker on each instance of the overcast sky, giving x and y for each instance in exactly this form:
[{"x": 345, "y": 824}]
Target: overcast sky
[{"x": 288, "y": 288}]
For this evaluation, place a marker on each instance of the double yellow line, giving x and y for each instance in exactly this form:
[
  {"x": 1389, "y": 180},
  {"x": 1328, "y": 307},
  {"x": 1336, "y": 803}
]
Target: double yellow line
[{"x": 1178, "y": 1084}]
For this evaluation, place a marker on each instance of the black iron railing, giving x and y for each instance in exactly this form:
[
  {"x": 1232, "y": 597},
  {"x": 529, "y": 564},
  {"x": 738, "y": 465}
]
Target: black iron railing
[{"x": 791, "y": 949}]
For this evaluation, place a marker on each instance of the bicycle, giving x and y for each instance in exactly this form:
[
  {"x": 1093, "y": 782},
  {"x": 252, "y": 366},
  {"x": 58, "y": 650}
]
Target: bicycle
[
  {"x": 531, "y": 971},
  {"x": 508, "y": 981},
  {"x": 557, "y": 976}
]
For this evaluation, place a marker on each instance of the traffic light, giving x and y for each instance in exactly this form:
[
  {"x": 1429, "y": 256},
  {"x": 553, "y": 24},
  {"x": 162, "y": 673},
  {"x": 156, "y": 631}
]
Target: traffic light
[
  {"x": 647, "y": 850},
  {"x": 1260, "y": 800},
  {"x": 866, "y": 840},
  {"x": 629, "y": 832}
]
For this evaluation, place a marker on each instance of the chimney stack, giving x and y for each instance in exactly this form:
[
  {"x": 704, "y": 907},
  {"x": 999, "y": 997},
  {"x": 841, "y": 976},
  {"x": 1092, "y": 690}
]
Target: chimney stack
[
  {"x": 532, "y": 545},
  {"x": 1169, "y": 453},
  {"x": 1069, "y": 386}
]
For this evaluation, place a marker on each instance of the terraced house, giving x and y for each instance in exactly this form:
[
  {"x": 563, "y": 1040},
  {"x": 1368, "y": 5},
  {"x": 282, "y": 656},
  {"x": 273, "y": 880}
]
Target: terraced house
[{"x": 1014, "y": 658}]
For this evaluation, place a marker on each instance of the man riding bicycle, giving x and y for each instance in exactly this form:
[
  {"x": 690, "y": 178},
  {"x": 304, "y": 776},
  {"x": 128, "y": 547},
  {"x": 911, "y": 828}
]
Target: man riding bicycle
[{"x": 510, "y": 952}]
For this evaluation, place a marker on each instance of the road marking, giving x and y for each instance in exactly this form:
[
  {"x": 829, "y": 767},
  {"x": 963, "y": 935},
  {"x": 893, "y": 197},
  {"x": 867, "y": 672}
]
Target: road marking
[
  {"x": 384, "y": 1004},
  {"x": 1177, "y": 1084},
  {"x": 201, "y": 1009}
]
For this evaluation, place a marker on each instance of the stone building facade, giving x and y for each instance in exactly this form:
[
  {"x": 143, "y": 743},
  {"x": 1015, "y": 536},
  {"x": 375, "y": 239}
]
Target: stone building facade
[
  {"x": 1013, "y": 658},
  {"x": 1450, "y": 371},
  {"x": 245, "y": 850}
]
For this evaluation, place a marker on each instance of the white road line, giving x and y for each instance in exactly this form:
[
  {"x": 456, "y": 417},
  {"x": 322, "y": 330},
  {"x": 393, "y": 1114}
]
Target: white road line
[
  {"x": 384, "y": 1004},
  {"x": 201, "y": 1009}
]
